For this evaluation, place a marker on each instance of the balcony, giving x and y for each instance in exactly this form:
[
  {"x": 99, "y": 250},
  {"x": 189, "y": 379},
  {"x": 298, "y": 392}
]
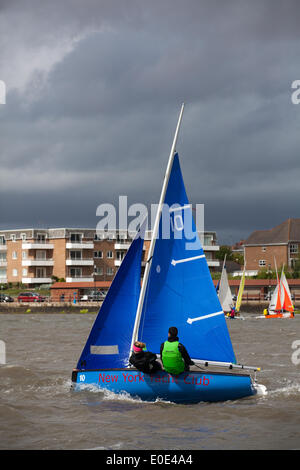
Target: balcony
[
  {"x": 80, "y": 245},
  {"x": 3, "y": 247},
  {"x": 37, "y": 262},
  {"x": 3, "y": 280},
  {"x": 79, "y": 279},
  {"x": 3, "y": 264},
  {"x": 211, "y": 247},
  {"x": 122, "y": 246},
  {"x": 213, "y": 263},
  {"x": 36, "y": 280},
  {"x": 37, "y": 245},
  {"x": 118, "y": 262},
  {"x": 80, "y": 262}
]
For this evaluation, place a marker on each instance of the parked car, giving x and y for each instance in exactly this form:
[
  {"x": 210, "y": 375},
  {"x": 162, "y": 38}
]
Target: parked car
[
  {"x": 94, "y": 296},
  {"x": 6, "y": 298},
  {"x": 30, "y": 297}
]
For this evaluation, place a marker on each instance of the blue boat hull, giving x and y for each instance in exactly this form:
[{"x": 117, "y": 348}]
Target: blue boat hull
[{"x": 188, "y": 387}]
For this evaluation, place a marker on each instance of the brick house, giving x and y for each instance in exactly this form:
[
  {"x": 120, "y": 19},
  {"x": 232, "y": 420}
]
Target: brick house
[{"x": 281, "y": 242}]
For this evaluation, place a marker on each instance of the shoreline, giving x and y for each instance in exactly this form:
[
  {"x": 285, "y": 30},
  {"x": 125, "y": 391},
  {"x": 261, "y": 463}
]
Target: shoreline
[{"x": 87, "y": 307}]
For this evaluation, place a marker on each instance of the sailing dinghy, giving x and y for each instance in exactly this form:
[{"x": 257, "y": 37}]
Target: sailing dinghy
[
  {"x": 281, "y": 305},
  {"x": 225, "y": 295},
  {"x": 177, "y": 290}
]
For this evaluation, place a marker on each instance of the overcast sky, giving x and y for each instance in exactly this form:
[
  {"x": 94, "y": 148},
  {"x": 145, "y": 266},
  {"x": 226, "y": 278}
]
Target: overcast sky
[{"x": 94, "y": 89}]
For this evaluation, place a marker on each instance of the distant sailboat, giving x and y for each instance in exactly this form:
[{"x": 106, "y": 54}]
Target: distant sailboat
[
  {"x": 225, "y": 295},
  {"x": 240, "y": 293},
  {"x": 281, "y": 305},
  {"x": 177, "y": 289}
]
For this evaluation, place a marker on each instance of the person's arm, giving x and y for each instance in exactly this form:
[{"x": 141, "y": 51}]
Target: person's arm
[
  {"x": 151, "y": 357},
  {"x": 185, "y": 355}
]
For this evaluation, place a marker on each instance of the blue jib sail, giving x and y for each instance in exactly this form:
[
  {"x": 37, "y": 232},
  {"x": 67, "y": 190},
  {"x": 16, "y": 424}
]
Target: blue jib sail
[
  {"x": 108, "y": 345},
  {"x": 180, "y": 291}
]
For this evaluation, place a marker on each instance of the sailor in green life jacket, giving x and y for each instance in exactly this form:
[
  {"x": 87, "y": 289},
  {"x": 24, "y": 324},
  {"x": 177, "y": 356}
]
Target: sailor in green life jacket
[{"x": 174, "y": 356}]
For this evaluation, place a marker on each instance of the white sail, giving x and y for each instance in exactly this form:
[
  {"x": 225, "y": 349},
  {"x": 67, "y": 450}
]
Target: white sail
[{"x": 225, "y": 296}]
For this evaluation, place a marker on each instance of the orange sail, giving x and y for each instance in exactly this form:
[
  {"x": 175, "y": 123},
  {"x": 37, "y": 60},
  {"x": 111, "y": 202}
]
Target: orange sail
[{"x": 287, "y": 303}]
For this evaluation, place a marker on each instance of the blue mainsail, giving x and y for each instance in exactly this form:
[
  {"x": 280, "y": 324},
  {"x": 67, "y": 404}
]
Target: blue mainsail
[
  {"x": 108, "y": 345},
  {"x": 180, "y": 291}
]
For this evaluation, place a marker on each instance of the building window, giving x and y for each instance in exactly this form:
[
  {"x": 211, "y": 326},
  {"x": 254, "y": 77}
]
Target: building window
[
  {"x": 109, "y": 271},
  {"x": 40, "y": 272},
  {"x": 293, "y": 248},
  {"x": 99, "y": 271},
  {"x": 75, "y": 254},
  {"x": 23, "y": 236},
  {"x": 76, "y": 237},
  {"x": 2, "y": 274},
  {"x": 24, "y": 272},
  {"x": 110, "y": 254},
  {"x": 14, "y": 255},
  {"x": 120, "y": 255},
  {"x": 262, "y": 262},
  {"x": 98, "y": 254},
  {"x": 75, "y": 272},
  {"x": 2, "y": 256},
  {"x": 14, "y": 272},
  {"x": 24, "y": 254},
  {"x": 13, "y": 237},
  {"x": 40, "y": 254},
  {"x": 41, "y": 238},
  {"x": 2, "y": 240},
  {"x": 263, "y": 248}
]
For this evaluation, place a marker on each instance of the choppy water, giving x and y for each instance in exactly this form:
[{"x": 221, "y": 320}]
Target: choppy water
[{"x": 38, "y": 410}]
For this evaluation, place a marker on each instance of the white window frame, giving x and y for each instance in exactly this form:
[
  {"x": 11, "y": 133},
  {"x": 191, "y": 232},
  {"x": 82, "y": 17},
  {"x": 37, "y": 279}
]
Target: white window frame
[
  {"x": 15, "y": 272},
  {"x": 13, "y": 237},
  {"x": 76, "y": 270},
  {"x": 262, "y": 263},
  {"x": 294, "y": 248},
  {"x": 96, "y": 254},
  {"x": 14, "y": 255},
  {"x": 112, "y": 254},
  {"x": 23, "y": 237},
  {"x": 109, "y": 271}
]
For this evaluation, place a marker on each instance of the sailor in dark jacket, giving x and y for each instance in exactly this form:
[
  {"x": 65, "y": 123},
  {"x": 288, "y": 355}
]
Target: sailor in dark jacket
[
  {"x": 174, "y": 355},
  {"x": 145, "y": 361}
]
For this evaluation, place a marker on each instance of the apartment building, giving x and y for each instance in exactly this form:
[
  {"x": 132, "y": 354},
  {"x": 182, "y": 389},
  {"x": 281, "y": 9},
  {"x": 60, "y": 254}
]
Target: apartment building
[
  {"x": 35, "y": 257},
  {"x": 281, "y": 242}
]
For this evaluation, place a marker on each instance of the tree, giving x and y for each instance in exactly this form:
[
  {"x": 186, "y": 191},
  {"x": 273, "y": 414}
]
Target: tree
[{"x": 224, "y": 250}]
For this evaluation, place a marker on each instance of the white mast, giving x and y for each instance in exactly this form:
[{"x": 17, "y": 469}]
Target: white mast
[{"x": 155, "y": 231}]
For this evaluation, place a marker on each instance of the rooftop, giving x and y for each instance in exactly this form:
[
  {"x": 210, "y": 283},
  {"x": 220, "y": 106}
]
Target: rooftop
[{"x": 281, "y": 234}]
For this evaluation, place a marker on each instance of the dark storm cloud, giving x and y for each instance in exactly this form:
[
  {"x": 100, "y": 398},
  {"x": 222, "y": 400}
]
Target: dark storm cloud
[{"x": 94, "y": 91}]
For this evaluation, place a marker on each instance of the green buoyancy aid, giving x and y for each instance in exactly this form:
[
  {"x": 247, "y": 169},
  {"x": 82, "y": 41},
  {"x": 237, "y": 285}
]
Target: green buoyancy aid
[{"x": 171, "y": 358}]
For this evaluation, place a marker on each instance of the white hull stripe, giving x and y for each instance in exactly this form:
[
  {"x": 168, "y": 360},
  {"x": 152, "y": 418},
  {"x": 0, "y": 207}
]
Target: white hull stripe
[
  {"x": 174, "y": 209},
  {"x": 185, "y": 260},
  {"x": 191, "y": 320}
]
